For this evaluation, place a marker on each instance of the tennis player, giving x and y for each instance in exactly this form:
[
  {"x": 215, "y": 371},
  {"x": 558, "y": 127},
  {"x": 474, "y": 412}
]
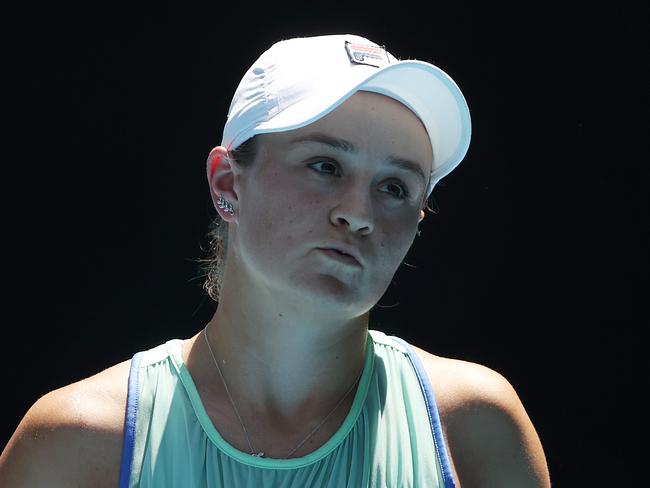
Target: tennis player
[{"x": 330, "y": 151}]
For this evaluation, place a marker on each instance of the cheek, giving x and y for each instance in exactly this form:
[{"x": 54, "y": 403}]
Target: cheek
[
  {"x": 284, "y": 218},
  {"x": 396, "y": 241}
]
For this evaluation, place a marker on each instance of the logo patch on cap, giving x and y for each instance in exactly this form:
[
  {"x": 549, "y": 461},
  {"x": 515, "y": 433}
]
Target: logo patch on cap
[{"x": 371, "y": 55}]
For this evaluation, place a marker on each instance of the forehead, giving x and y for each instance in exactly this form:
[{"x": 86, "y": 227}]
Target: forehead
[{"x": 372, "y": 124}]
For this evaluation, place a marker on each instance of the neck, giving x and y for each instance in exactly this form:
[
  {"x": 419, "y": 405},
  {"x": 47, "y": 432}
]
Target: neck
[{"x": 282, "y": 365}]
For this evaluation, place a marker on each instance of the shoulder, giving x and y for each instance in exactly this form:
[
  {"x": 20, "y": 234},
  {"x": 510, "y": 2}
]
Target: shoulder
[
  {"x": 72, "y": 436},
  {"x": 491, "y": 438}
]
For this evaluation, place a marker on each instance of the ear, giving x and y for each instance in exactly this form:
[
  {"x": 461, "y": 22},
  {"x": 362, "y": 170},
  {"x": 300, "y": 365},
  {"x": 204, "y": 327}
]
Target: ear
[
  {"x": 421, "y": 217},
  {"x": 221, "y": 180}
]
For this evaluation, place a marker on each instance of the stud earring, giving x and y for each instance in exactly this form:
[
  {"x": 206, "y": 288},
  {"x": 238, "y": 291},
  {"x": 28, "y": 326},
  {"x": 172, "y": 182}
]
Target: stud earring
[{"x": 225, "y": 205}]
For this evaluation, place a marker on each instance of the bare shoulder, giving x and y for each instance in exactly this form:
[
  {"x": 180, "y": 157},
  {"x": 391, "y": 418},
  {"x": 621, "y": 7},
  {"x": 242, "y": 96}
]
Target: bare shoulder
[
  {"x": 490, "y": 435},
  {"x": 72, "y": 436},
  {"x": 461, "y": 384}
]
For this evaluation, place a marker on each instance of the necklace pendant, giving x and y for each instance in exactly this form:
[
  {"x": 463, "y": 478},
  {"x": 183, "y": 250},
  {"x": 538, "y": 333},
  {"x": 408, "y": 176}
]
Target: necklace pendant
[{"x": 259, "y": 454}]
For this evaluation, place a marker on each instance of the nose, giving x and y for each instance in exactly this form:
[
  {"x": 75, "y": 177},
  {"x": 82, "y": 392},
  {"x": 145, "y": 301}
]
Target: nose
[{"x": 354, "y": 210}]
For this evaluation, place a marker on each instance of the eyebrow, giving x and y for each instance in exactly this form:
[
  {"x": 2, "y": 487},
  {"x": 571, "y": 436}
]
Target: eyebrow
[{"x": 347, "y": 146}]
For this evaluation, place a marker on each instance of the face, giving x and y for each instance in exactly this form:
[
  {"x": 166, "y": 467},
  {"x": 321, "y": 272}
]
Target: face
[{"x": 340, "y": 181}]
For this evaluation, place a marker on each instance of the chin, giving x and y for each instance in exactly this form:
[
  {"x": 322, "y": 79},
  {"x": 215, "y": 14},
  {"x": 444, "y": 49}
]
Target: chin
[{"x": 328, "y": 291}]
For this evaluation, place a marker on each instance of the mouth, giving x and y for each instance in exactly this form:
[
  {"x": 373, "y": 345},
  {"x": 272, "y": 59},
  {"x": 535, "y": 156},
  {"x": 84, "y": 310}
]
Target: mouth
[{"x": 340, "y": 256}]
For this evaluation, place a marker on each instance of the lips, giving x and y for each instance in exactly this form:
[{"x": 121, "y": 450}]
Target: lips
[{"x": 346, "y": 251}]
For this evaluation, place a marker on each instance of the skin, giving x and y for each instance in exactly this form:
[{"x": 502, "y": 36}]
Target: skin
[
  {"x": 290, "y": 330},
  {"x": 316, "y": 307}
]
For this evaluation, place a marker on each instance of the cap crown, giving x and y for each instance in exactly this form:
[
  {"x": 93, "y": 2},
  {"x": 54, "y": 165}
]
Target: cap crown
[{"x": 297, "y": 81}]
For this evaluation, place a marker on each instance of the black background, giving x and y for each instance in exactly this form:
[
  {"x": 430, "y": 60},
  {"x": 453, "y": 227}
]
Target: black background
[{"x": 536, "y": 263}]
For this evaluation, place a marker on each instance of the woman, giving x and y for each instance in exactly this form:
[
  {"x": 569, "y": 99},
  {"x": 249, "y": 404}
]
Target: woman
[{"x": 330, "y": 151}]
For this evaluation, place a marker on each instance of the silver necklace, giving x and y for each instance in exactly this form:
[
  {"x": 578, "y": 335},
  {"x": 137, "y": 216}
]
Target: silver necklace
[{"x": 261, "y": 453}]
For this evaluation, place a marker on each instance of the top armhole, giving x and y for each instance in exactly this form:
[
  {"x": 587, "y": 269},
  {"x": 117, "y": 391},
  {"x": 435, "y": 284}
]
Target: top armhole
[
  {"x": 130, "y": 417},
  {"x": 432, "y": 409}
]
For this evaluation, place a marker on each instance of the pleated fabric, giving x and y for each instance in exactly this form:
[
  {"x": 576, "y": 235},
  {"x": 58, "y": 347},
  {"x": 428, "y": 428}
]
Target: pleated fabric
[{"x": 390, "y": 438}]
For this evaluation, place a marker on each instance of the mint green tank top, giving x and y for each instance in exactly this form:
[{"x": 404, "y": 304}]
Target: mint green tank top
[{"x": 391, "y": 437}]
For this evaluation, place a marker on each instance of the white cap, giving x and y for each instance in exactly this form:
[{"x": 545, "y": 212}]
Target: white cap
[{"x": 298, "y": 81}]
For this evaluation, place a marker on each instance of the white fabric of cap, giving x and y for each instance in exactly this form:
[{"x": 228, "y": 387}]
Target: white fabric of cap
[{"x": 298, "y": 81}]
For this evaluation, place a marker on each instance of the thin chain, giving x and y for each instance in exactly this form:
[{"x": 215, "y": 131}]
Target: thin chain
[
  {"x": 230, "y": 396},
  {"x": 261, "y": 454},
  {"x": 323, "y": 421}
]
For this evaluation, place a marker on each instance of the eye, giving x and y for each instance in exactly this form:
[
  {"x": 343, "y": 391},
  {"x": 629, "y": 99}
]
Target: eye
[
  {"x": 325, "y": 163},
  {"x": 402, "y": 193}
]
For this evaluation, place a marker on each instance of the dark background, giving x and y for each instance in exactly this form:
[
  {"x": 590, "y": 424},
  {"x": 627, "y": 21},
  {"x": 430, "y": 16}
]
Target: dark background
[{"x": 536, "y": 263}]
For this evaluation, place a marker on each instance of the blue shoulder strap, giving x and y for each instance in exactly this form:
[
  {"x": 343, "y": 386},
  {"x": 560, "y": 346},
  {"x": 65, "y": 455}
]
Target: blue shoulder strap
[
  {"x": 129, "y": 421},
  {"x": 434, "y": 417}
]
